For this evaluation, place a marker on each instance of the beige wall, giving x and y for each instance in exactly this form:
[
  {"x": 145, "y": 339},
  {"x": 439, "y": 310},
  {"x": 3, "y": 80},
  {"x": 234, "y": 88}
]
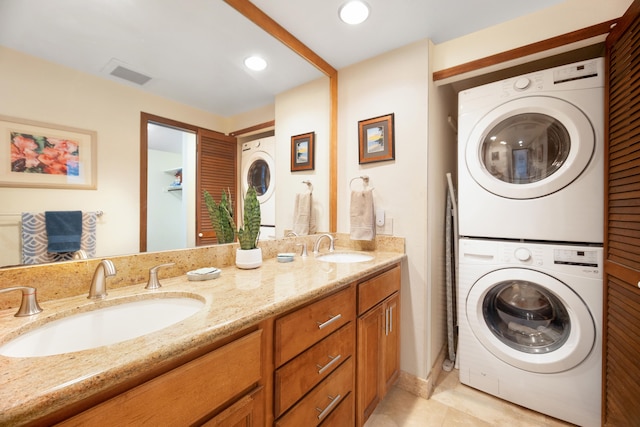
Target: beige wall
[
  {"x": 302, "y": 110},
  {"x": 395, "y": 82},
  {"x": 565, "y": 17}
]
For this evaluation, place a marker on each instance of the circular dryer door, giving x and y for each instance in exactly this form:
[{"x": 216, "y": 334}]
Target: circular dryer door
[
  {"x": 259, "y": 172},
  {"x": 530, "y": 147},
  {"x": 530, "y": 320}
]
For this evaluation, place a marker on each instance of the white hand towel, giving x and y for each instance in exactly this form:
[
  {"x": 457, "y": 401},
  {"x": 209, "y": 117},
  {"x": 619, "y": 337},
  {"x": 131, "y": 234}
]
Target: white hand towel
[
  {"x": 363, "y": 225},
  {"x": 302, "y": 214}
]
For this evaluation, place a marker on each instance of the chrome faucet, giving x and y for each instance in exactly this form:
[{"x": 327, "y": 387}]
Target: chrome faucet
[
  {"x": 80, "y": 254},
  {"x": 316, "y": 247},
  {"x": 98, "y": 289},
  {"x": 153, "y": 282},
  {"x": 291, "y": 234},
  {"x": 29, "y": 304}
]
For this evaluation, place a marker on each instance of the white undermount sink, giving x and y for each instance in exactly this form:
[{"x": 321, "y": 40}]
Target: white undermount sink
[
  {"x": 344, "y": 257},
  {"x": 103, "y": 326}
]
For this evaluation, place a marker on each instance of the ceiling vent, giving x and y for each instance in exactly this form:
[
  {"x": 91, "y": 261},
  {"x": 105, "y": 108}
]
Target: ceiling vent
[
  {"x": 123, "y": 71},
  {"x": 130, "y": 75}
]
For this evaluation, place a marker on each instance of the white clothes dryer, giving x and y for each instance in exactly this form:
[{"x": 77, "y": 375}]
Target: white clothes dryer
[
  {"x": 530, "y": 156},
  {"x": 258, "y": 170},
  {"x": 530, "y": 325}
]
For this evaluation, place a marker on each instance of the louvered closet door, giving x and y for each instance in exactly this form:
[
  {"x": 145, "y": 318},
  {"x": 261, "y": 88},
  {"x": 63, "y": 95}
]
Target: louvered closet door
[
  {"x": 217, "y": 172},
  {"x": 621, "y": 385}
]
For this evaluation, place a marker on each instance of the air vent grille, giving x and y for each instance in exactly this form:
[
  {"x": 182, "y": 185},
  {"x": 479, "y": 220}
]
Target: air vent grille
[{"x": 130, "y": 75}]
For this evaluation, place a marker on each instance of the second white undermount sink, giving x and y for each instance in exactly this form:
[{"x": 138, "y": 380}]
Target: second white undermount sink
[
  {"x": 344, "y": 257},
  {"x": 103, "y": 326}
]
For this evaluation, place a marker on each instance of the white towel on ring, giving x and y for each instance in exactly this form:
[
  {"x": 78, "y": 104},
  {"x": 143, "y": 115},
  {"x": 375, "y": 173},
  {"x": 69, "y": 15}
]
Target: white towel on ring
[
  {"x": 363, "y": 226},
  {"x": 302, "y": 213}
]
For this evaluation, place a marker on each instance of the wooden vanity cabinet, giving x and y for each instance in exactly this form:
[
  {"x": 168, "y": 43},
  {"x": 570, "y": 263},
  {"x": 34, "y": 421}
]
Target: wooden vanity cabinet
[
  {"x": 220, "y": 388},
  {"x": 314, "y": 353},
  {"x": 378, "y": 340}
]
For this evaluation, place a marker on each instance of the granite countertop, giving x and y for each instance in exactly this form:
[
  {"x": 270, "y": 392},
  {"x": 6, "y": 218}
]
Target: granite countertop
[{"x": 34, "y": 387}]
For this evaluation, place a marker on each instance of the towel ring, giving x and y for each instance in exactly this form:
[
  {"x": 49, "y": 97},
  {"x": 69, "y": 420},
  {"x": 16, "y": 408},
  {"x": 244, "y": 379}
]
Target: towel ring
[
  {"x": 365, "y": 182},
  {"x": 309, "y": 185}
]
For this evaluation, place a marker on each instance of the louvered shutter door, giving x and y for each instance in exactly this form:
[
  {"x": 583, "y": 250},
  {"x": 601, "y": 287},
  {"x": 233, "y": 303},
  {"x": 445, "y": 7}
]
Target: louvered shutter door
[
  {"x": 217, "y": 172},
  {"x": 621, "y": 358}
]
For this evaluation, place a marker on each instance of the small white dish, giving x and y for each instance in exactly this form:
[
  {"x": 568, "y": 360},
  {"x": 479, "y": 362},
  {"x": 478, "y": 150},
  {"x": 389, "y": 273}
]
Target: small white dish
[
  {"x": 206, "y": 273},
  {"x": 285, "y": 257}
]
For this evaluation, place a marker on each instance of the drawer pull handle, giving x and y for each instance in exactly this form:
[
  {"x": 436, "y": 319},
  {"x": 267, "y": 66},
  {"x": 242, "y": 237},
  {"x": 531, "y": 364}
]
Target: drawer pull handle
[
  {"x": 332, "y": 362},
  {"x": 324, "y": 412},
  {"x": 328, "y": 322}
]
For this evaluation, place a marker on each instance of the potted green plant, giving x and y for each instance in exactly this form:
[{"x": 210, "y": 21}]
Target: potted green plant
[
  {"x": 249, "y": 255},
  {"x": 221, "y": 215}
]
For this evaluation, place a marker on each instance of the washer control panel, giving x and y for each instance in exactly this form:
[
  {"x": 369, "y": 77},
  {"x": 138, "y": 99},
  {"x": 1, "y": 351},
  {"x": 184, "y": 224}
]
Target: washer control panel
[{"x": 582, "y": 257}]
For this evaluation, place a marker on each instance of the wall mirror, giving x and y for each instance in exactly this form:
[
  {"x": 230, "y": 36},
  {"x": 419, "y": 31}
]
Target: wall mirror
[{"x": 48, "y": 86}]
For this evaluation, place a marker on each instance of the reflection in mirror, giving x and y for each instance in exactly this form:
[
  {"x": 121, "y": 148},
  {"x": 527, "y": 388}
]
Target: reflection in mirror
[
  {"x": 171, "y": 154},
  {"x": 42, "y": 78}
]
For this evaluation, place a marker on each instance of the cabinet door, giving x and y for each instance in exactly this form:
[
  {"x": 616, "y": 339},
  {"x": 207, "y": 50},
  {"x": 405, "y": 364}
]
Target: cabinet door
[
  {"x": 186, "y": 394},
  {"x": 370, "y": 333},
  {"x": 246, "y": 412},
  {"x": 622, "y": 224},
  {"x": 391, "y": 341}
]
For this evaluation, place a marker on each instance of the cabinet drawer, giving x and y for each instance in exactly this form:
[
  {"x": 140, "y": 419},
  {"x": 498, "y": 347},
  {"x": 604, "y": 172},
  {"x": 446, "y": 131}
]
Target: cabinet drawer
[
  {"x": 376, "y": 289},
  {"x": 299, "y": 330},
  {"x": 186, "y": 394},
  {"x": 322, "y": 400},
  {"x": 300, "y": 375},
  {"x": 343, "y": 415}
]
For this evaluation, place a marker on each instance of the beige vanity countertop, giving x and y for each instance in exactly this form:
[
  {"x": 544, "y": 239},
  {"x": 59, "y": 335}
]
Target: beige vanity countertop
[{"x": 34, "y": 387}]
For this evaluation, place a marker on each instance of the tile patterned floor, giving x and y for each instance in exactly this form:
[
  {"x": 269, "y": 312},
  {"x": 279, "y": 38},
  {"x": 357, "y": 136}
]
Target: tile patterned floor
[{"x": 451, "y": 405}]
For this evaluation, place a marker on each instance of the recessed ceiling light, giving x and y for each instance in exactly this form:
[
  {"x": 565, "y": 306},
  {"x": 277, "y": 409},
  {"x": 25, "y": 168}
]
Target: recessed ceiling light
[
  {"x": 255, "y": 63},
  {"x": 354, "y": 12}
]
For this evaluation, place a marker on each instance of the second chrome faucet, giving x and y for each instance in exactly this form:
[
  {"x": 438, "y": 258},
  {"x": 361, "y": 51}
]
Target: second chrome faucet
[
  {"x": 98, "y": 289},
  {"x": 316, "y": 247}
]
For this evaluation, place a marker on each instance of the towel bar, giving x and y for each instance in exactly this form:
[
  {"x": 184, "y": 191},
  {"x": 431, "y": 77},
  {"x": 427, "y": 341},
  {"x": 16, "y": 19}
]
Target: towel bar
[{"x": 309, "y": 185}]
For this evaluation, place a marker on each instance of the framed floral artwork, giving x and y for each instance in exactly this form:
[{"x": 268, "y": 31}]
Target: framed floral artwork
[
  {"x": 302, "y": 152},
  {"x": 376, "y": 140},
  {"x": 37, "y": 154}
]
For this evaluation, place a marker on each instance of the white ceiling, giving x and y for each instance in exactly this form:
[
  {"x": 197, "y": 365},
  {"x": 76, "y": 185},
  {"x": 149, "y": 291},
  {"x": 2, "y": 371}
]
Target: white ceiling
[{"x": 193, "y": 49}]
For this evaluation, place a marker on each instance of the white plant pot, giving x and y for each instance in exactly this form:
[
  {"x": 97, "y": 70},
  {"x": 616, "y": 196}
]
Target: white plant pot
[{"x": 249, "y": 258}]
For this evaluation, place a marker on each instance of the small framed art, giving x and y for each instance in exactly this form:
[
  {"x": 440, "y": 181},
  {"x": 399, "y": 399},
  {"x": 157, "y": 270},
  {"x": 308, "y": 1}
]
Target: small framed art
[
  {"x": 44, "y": 155},
  {"x": 376, "y": 141},
  {"x": 302, "y": 152}
]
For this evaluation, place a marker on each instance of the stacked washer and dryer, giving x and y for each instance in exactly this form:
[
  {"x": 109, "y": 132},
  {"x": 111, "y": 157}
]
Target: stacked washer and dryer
[
  {"x": 530, "y": 190},
  {"x": 258, "y": 171}
]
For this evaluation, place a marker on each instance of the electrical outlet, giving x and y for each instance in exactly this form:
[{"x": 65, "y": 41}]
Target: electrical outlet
[{"x": 387, "y": 228}]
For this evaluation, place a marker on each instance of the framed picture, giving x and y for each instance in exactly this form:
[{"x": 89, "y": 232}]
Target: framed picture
[
  {"x": 36, "y": 154},
  {"x": 302, "y": 149},
  {"x": 375, "y": 138}
]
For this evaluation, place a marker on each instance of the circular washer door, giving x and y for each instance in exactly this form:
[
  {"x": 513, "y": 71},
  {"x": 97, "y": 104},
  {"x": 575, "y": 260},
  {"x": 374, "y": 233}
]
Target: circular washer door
[
  {"x": 530, "y": 147},
  {"x": 530, "y": 320},
  {"x": 259, "y": 172}
]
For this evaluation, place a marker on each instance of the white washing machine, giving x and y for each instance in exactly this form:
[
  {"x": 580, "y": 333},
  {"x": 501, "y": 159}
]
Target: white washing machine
[
  {"x": 530, "y": 156},
  {"x": 530, "y": 325},
  {"x": 259, "y": 171}
]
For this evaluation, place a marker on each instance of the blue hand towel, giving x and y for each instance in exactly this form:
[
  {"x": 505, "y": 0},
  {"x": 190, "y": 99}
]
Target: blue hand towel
[{"x": 64, "y": 230}]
